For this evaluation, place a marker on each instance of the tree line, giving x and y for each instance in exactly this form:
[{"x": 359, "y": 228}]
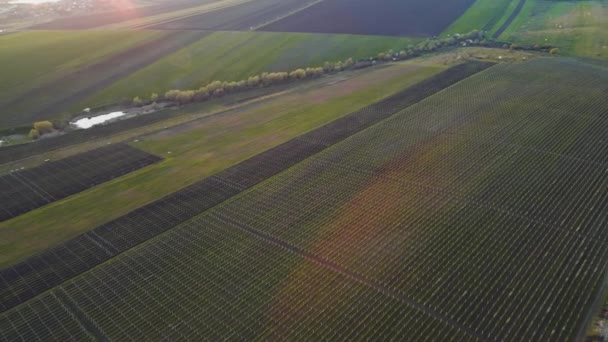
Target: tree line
[{"x": 218, "y": 89}]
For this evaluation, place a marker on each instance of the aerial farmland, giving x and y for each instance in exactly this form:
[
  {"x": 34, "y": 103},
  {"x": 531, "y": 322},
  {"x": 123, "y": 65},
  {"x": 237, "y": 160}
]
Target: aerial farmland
[{"x": 304, "y": 170}]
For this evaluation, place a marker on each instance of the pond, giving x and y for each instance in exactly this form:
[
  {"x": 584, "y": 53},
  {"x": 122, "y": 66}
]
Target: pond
[{"x": 85, "y": 123}]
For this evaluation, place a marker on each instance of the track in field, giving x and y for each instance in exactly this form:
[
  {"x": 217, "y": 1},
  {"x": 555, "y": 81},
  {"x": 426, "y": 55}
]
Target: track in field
[
  {"x": 40, "y": 273},
  {"x": 510, "y": 20},
  {"x": 25, "y": 190},
  {"x": 412, "y": 18},
  {"x": 499, "y": 13}
]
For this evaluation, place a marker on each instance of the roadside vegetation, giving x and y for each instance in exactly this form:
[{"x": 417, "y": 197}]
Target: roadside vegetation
[
  {"x": 41, "y": 128},
  {"x": 217, "y": 89},
  {"x": 235, "y": 56}
]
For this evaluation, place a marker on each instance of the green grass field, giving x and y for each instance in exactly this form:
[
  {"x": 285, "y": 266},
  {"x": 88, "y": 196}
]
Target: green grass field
[
  {"x": 41, "y": 70},
  {"x": 30, "y": 59},
  {"x": 237, "y": 55},
  {"x": 485, "y": 15},
  {"x": 202, "y": 149},
  {"x": 576, "y": 27}
]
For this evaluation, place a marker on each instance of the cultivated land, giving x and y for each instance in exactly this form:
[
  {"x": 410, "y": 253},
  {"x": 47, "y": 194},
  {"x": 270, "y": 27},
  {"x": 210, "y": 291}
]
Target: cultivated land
[
  {"x": 576, "y": 27},
  {"x": 61, "y": 82},
  {"x": 477, "y": 213},
  {"x": 31, "y": 59},
  {"x": 201, "y": 149},
  {"x": 48, "y": 81},
  {"x": 97, "y": 20},
  {"x": 25, "y": 190},
  {"x": 243, "y": 16},
  {"x": 220, "y": 56},
  {"x": 155, "y": 218},
  {"x": 487, "y": 15},
  {"x": 419, "y": 18},
  {"x": 465, "y": 217}
]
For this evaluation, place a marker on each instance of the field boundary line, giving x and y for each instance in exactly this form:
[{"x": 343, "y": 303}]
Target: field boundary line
[
  {"x": 335, "y": 267},
  {"x": 288, "y": 14}
]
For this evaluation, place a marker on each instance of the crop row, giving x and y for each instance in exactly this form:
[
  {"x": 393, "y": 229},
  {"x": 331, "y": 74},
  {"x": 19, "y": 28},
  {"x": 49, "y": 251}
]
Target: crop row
[
  {"x": 51, "y": 268},
  {"x": 28, "y": 189},
  {"x": 212, "y": 282},
  {"x": 500, "y": 229}
]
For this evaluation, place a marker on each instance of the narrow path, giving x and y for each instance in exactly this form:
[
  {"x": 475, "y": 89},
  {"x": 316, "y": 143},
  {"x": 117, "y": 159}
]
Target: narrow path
[{"x": 511, "y": 18}]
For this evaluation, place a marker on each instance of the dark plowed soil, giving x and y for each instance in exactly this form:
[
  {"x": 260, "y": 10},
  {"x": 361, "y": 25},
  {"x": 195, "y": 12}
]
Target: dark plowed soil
[
  {"x": 29, "y": 189},
  {"x": 42, "y": 272},
  {"x": 415, "y": 18}
]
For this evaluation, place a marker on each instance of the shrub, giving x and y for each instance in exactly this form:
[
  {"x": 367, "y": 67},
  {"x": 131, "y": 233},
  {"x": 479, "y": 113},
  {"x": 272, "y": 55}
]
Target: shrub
[
  {"x": 554, "y": 51},
  {"x": 328, "y": 67},
  {"x": 185, "y": 96},
  {"x": 253, "y": 81},
  {"x": 201, "y": 94},
  {"x": 349, "y": 63},
  {"x": 218, "y": 92},
  {"x": 154, "y": 97},
  {"x": 213, "y": 86},
  {"x": 137, "y": 102},
  {"x": 43, "y": 127},
  {"x": 314, "y": 72},
  {"x": 297, "y": 74},
  {"x": 172, "y": 95},
  {"x": 34, "y": 134}
]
